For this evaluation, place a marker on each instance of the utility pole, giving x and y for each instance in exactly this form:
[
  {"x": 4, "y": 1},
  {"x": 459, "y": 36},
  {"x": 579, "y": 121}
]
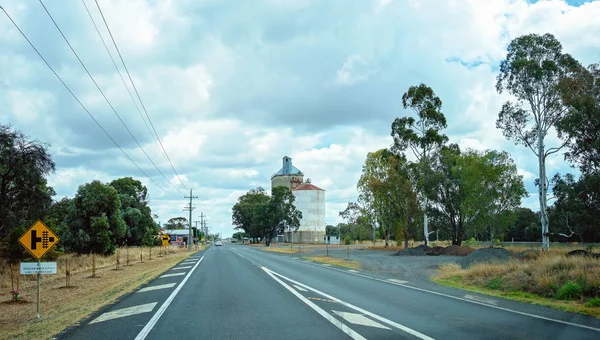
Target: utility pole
[
  {"x": 202, "y": 223},
  {"x": 190, "y": 208}
]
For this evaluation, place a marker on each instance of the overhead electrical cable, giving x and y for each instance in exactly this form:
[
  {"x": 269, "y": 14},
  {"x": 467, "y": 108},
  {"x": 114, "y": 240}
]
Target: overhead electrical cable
[
  {"x": 106, "y": 99},
  {"x": 119, "y": 72},
  {"x": 79, "y": 101},
  {"x": 138, "y": 95}
]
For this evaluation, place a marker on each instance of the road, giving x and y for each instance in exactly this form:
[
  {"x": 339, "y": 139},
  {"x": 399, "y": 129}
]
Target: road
[{"x": 240, "y": 292}]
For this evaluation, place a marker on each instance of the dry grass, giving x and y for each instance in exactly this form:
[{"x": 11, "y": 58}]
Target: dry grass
[
  {"x": 86, "y": 294},
  {"x": 567, "y": 283},
  {"x": 282, "y": 250},
  {"x": 335, "y": 261}
]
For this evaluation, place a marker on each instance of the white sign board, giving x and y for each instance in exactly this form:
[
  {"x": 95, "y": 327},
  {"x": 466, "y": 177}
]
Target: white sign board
[{"x": 32, "y": 268}]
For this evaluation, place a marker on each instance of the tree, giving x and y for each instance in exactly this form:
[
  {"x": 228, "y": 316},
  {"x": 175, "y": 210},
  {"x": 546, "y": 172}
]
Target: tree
[
  {"x": 24, "y": 193},
  {"x": 239, "y": 235},
  {"x": 94, "y": 221},
  {"x": 525, "y": 226},
  {"x": 177, "y": 223},
  {"x": 244, "y": 211},
  {"x": 280, "y": 213},
  {"x": 581, "y": 127},
  {"x": 577, "y": 207},
  {"x": 56, "y": 215},
  {"x": 531, "y": 72},
  {"x": 492, "y": 188},
  {"x": 387, "y": 195},
  {"x": 133, "y": 195},
  {"x": 474, "y": 190},
  {"x": 422, "y": 136}
]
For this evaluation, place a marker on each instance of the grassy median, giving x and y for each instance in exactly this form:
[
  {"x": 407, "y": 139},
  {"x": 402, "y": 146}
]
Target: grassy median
[
  {"x": 335, "y": 261},
  {"x": 566, "y": 283},
  {"x": 62, "y": 306}
]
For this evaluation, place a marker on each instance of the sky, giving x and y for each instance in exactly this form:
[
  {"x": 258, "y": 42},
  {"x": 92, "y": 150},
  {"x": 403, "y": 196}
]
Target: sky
[{"x": 231, "y": 87}]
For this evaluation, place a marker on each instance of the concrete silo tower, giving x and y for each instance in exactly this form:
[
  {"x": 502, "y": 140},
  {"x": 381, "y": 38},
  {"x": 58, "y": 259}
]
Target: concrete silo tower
[
  {"x": 288, "y": 176},
  {"x": 310, "y": 199}
]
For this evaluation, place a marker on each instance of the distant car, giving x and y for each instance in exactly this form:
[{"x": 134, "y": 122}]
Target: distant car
[
  {"x": 218, "y": 243},
  {"x": 233, "y": 241}
]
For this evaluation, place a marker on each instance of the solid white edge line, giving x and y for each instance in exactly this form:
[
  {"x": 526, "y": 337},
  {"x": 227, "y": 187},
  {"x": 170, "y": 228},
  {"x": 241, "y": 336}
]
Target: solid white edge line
[
  {"x": 358, "y": 309},
  {"x": 337, "y": 323},
  {"x": 146, "y": 330},
  {"x": 467, "y": 300}
]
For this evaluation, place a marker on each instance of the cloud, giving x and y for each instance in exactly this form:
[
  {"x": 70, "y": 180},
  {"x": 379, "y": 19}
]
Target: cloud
[{"x": 232, "y": 87}]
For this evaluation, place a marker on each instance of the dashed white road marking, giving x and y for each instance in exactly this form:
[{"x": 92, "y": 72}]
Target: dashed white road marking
[
  {"x": 326, "y": 265},
  {"x": 300, "y": 288},
  {"x": 161, "y": 310},
  {"x": 353, "y": 271},
  {"x": 397, "y": 281},
  {"x": 359, "y": 319},
  {"x": 119, "y": 313},
  {"x": 184, "y": 267},
  {"x": 480, "y": 299},
  {"x": 170, "y": 275},
  {"x": 157, "y": 287}
]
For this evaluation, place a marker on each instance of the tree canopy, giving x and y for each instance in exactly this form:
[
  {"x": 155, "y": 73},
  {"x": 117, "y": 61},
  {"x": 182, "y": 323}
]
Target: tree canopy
[{"x": 24, "y": 193}]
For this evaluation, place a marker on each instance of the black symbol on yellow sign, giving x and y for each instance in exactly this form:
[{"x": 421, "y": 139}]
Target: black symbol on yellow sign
[{"x": 38, "y": 239}]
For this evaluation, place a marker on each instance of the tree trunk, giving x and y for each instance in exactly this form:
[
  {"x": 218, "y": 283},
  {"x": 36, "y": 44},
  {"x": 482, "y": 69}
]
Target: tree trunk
[
  {"x": 425, "y": 228},
  {"x": 542, "y": 190}
]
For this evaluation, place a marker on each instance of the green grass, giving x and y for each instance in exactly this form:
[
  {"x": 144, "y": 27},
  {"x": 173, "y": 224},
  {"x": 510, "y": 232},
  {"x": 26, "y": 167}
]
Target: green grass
[{"x": 567, "y": 306}]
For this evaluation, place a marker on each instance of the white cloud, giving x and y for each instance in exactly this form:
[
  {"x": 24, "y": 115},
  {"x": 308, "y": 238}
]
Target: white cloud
[{"x": 233, "y": 89}]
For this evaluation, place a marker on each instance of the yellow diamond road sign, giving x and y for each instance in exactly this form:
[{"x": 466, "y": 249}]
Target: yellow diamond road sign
[{"x": 38, "y": 239}]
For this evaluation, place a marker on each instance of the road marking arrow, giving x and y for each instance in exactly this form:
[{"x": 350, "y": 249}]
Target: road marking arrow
[{"x": 359, "y": 319}]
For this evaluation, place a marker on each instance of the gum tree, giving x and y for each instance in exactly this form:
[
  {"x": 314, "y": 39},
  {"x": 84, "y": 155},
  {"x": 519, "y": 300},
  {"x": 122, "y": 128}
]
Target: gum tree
[
  {"x": 531, "y": 72},
  {"x": 422, "y": 135}
]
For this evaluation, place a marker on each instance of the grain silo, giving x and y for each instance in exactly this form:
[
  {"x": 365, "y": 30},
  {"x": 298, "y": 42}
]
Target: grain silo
[
  {"x": 310, "y": 200},
  {"x": 288, "y": 176}
]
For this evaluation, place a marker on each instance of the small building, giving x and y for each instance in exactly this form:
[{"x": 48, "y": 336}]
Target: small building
[
  {"x": 330, "y": 239},
  {"x": 178, "y": 236}
]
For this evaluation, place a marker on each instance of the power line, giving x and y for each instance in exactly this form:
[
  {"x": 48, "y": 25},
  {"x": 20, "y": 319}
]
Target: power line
[
  {"x": 105, "y": 98},
  {"x": 78, "y": 101},
  {"x": 138, "y": 95},
  {"x": 118, "y": 71}
]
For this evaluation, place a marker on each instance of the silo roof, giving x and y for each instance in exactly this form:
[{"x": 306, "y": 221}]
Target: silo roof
[{"x": 307, "y": 186}]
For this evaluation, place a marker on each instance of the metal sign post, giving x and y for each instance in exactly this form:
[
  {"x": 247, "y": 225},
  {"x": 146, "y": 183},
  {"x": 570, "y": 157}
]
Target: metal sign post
[{"x": 38, "y": 239}]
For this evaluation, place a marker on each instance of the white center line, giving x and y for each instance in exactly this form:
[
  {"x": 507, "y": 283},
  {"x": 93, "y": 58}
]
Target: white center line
[
  {"x": 157, "y": 287},
  {"x": 119, "y": 313},
  {"x": 170, "y": 275}
]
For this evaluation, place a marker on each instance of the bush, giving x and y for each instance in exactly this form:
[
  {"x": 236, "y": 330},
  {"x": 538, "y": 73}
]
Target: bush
[
  {"x": 595, "y": 302},
  {"x": 569, "y": 291},
  {"x": 347, "y": 239}
]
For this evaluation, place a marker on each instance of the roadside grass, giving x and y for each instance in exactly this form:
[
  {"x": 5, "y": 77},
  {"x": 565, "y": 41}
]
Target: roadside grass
[
  {"x": 282, "y": 250},
  {"x": 62, "y": 307},
  {"x": 567, "y": 283},
  {"x": 335, "y": 261}
]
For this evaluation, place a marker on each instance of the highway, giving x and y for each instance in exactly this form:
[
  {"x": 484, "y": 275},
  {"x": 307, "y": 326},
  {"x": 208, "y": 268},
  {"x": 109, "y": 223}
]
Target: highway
[{"x": 240, "y": 292}]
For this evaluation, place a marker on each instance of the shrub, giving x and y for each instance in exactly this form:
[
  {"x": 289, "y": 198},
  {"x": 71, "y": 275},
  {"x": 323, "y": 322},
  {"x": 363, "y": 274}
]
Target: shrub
[
  {"x": 347, "y": 239},
  {"x": 595, "y": 302},
  {"x": 569, "y": 291}
]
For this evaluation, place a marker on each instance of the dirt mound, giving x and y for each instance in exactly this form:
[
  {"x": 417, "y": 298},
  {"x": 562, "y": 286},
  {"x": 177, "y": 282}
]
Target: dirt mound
[
  {"x": 416, "y": 251},
  {"x": 486, "y": 255},
  {"x": 436, "y": 251},
  {"x": 454, "y": 250},
  {"x": 581, "y": 252}
]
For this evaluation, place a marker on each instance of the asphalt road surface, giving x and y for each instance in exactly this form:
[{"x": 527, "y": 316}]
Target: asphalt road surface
[{"x": 240, "y": 292}]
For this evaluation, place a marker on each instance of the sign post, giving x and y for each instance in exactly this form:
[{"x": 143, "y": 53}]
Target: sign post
[
  {"x": 38, "y": 239},
  {"x": 165, "y": 241}
]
